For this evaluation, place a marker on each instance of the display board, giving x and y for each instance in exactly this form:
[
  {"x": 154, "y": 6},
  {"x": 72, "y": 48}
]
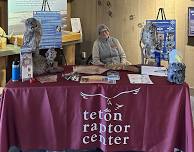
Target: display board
[
  {"x": 20, "y": 10},
  {"x": 191, "y": 21},
  {"x": 51, "y": 28},
  {"x": 166, "y": 30}
]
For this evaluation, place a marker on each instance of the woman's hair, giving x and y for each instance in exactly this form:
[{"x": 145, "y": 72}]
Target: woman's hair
[{"x": 101, "y": 28}]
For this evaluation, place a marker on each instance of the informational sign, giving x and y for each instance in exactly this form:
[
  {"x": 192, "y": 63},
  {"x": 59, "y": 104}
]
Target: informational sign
[
  {"x": 166, "y": 30},
  {"x": 51, "y": 28},
  {"x": 191, "y": 21}
]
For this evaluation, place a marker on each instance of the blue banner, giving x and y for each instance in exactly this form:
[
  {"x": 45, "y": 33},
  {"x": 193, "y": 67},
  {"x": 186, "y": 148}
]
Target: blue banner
[
  {"x": 51, "y": 28},
  {"x": 166, "y": 30}
]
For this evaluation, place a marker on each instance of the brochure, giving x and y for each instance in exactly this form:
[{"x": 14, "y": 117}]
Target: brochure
[
  {"x": 139, "y": 79},
  {"x": 156, "y": 71},
  {"x": 113, "y": 75}
]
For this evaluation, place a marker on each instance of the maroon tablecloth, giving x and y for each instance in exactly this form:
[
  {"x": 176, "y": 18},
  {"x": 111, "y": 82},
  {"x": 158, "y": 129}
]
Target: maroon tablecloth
[{"x": 113, "y": 117}]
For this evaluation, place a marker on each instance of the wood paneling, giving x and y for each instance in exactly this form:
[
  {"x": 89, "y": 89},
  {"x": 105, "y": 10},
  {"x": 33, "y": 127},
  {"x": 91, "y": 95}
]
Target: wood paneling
[
  {"x": 146, "y": 11},
  {"x": 189, "y": 50},
  {"x": 169, "y": 6},
  {"x": 86, "y": 11}
]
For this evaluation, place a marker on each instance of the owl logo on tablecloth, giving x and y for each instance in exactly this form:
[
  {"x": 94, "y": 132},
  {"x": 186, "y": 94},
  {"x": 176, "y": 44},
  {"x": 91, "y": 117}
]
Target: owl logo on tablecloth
[{"x": 115, "y": 106}]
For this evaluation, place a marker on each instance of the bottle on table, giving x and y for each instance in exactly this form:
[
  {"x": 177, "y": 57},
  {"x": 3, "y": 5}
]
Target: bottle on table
[{"x": 15, "y": 71}]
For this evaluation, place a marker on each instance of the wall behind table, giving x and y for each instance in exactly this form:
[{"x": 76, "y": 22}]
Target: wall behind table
[
  {"x": 127, "y": 30},
  {"x": 86, "y": 11},
  {"x": 3, "y": 14},
  {"x": 189, "y": 50}
]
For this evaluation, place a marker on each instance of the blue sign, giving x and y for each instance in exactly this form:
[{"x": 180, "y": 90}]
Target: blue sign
[
  {"x": 166, "y": 30},
  {"x": 191, "y": 21},
  {"x": 51, "y": 28}
]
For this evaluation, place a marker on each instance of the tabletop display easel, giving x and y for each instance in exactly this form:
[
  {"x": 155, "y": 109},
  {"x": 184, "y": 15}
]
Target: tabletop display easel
[{"x": 44, "y": 4}]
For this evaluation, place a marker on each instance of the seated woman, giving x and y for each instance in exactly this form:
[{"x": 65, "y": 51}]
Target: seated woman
[{"x": 107, "y": 49}]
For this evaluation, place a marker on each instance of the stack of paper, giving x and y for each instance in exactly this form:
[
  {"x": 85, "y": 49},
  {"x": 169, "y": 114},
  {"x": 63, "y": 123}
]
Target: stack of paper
[
  {"x": 139, "y": 79},
  {"x": 113, "y": 75},
  {"x": 151, "y": 70}
]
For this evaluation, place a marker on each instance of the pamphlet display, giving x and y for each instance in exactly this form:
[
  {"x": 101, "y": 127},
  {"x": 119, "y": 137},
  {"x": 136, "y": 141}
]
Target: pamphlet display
[
  {"x": 26, "y": 66},
  {"x": 166, "y": 30},
  {"x": 51, "y": 28}
]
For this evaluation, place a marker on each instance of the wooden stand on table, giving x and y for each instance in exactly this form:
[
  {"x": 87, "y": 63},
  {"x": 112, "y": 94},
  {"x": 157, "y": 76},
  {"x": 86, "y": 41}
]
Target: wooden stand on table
[{"x": 69, "y": 53}]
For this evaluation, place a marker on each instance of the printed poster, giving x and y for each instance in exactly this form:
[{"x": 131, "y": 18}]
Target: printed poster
[
  {"x": 166, "y": 30},
  {"x": 51, "y": 29}
]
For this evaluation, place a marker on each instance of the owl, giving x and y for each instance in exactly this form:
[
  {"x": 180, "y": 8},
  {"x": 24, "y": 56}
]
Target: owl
[
  {"x": 50, "y": 56},
  {"x": 32, "y": 35}
]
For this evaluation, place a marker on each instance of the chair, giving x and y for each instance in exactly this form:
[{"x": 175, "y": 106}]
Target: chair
[{"x": 89, "y": 60}]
